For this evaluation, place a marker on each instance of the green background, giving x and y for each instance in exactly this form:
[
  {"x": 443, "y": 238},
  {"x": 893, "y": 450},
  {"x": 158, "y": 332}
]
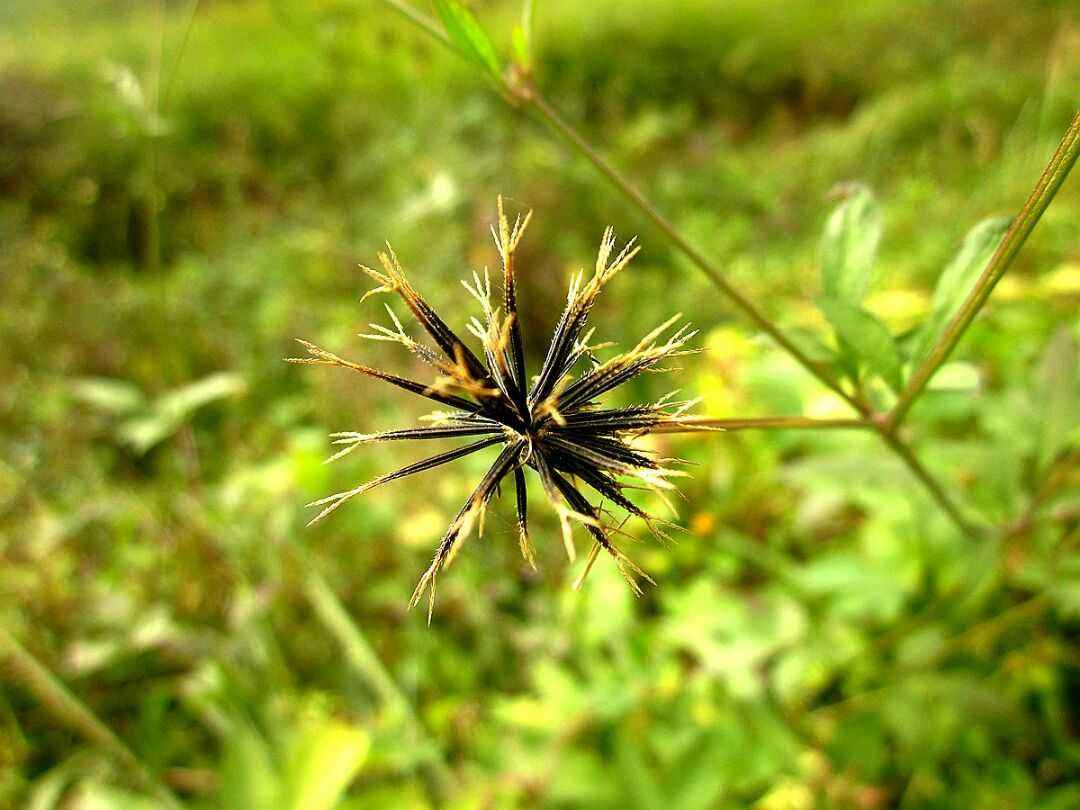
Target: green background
[{"x": 181, "y": 194}]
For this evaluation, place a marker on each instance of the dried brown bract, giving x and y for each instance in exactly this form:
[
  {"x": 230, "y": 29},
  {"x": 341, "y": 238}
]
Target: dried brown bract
[{"x": 550, "y": 423}]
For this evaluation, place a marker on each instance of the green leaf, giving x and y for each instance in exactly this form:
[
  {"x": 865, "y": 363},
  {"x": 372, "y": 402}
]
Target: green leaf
[
  {"x": 1058, "y": 389},
  {"x": 117, "y": 397},
  {"x": 247, "y": 774},
  {"x": 958, "y": 278},
  {"x": 181, "y": 403},
  {"x": 864, "y": 338},
  {"x": 849, "y": 247},
  {"x": 324, "y": 762},
  {"x": 523, "y": 33},
  {"x": 97, "y": 796},
  {"x": 174, "y": 408},
  {"x": 468, "y": 36}
]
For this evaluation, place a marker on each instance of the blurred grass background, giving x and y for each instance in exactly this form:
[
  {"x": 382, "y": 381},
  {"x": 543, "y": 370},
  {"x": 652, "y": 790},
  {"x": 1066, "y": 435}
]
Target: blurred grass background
[{"x": 184, "y": 190}]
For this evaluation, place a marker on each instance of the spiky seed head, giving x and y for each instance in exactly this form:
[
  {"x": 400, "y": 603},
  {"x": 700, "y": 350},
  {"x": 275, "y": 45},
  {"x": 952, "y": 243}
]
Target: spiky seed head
[{"x": 551, "y": 424}]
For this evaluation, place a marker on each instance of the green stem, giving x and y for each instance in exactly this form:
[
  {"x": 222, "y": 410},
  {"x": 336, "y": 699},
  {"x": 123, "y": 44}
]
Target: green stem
[
  {"x": 525, "y": 92},
  {"x": 1052, "y": 177},
  {"x": 705, "y": 424},
  {"x": 421, "y": 20},
  {"x": 519, "y": 87},
  {"x": 555, "y": 120},
  {"x": 175, "y": 67},
  {"x": 937, "y": 492},
  {"x": 22, "y": 668}
]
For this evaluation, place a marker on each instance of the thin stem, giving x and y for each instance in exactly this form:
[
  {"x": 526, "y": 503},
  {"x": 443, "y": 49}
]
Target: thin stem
[
  {"x": 1052, "y": 177},
  {"x": 422, "y": 20},
  {"x": 555, "y": 120},
  {"x": 523, "y": 91},
  {"x": 519, "y": 87},
  {"x": 175, "y": 68},
  {"x": 362, "y": 657},
  {"x": 152, "y": 224},
  {"x": 21, "y": 667},
  {"x": 1055, "y": 477},
  {"x": 705, "y": 424},
  {"x": 935, "y": 489}
]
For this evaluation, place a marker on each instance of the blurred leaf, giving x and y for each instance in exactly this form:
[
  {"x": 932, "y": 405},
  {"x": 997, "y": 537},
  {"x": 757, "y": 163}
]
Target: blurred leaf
[
  {"x": 865, "y": 338},
  {"x": 115, "y": 397},
  {"x": 812, "y": 346},
  {"x": 1058, "y": 388},
  {"x": 323, "y": 763},
  {"x": 849, "y": 246},
  {"x": 48, "y": 790},
  {"x": 248, "y": 776},
  {"x": 182, "y": 402},
  {"x": 582, "y": 779},
  {"x": 956, "y": 377},
  {"x": 957, "y": 279},
  {"x": 468, "y": 36},
  {"x": 634, "y": 772},
  {"x": 143, "y": 433},
  {"x": 171, "y": 410},
  {"x": 523, "y": 33},
  {"x": 96, "y": 796}
]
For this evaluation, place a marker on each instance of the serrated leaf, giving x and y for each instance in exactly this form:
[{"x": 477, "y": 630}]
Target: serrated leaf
[
  {"x": 958, "y": 278},
  {"x": 468, "y": 36},
  {"x": 1058, "y": 388},
  {"x": 849, "y": 247},
  {"x": 865, "y": 338}
]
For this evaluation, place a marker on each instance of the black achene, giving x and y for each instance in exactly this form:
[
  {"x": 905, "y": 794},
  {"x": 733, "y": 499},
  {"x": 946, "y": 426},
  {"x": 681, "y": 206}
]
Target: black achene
[{"x": 550, "y": 423}]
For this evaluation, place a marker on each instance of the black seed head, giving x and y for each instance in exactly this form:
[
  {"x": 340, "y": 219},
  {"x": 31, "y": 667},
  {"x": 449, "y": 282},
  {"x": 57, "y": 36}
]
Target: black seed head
[{"x": 551, "y": 423}]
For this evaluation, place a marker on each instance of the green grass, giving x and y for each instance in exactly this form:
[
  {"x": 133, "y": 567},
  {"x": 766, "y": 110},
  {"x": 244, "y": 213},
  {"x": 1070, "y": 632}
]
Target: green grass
[{"x": 821, "y": 636}]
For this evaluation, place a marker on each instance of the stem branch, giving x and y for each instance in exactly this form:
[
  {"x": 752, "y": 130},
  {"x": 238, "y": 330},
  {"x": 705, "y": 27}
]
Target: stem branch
[
  {"x": 937, "y": 492},
  {"x": 554, "y": 119}
]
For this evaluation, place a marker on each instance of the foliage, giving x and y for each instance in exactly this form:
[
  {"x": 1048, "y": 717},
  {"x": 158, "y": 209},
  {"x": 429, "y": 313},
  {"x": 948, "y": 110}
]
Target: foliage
[{"x": 822, "y": 635}]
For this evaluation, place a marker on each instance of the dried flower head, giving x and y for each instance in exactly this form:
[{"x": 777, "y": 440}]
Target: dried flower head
[{"x": 550, "y": 423}]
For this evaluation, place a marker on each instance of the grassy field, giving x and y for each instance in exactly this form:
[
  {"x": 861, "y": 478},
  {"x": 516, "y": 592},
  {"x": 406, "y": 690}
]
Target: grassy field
[{"x": 186, "y": 187}]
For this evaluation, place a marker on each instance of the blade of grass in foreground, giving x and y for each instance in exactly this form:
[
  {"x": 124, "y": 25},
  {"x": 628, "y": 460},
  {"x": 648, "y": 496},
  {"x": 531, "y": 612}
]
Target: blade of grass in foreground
[{"x": 20, "y": 667}]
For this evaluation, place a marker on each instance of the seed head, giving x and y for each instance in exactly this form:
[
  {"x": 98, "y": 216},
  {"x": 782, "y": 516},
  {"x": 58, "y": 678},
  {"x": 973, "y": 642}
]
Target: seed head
[{"x": 550, "y": 423}]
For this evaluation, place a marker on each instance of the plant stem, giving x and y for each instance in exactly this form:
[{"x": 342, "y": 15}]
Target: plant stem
[
  {"x": 520, "y": 88},
  {"x": 175, "y": 68},
  {"x": 362, "y": 657},
  {"x": 525, "y": 92},
  {"x": 22, "y": 668},
  {"x": 705, "y": 424},
  {"x": 555, "y": 120},
  {"x": 1052, "y": 177},
  {"x": 422, "y": 20},
  {"x": 935, "y": 489}
]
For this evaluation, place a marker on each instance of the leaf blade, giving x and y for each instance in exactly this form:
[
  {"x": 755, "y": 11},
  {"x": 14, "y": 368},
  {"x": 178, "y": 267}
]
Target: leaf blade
[
  {"x": 468, "y": 36},
  {"x": 957, "y": 279},
  {"x": 865, "y": 338},
  {"x": 849, "y": 247}
]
